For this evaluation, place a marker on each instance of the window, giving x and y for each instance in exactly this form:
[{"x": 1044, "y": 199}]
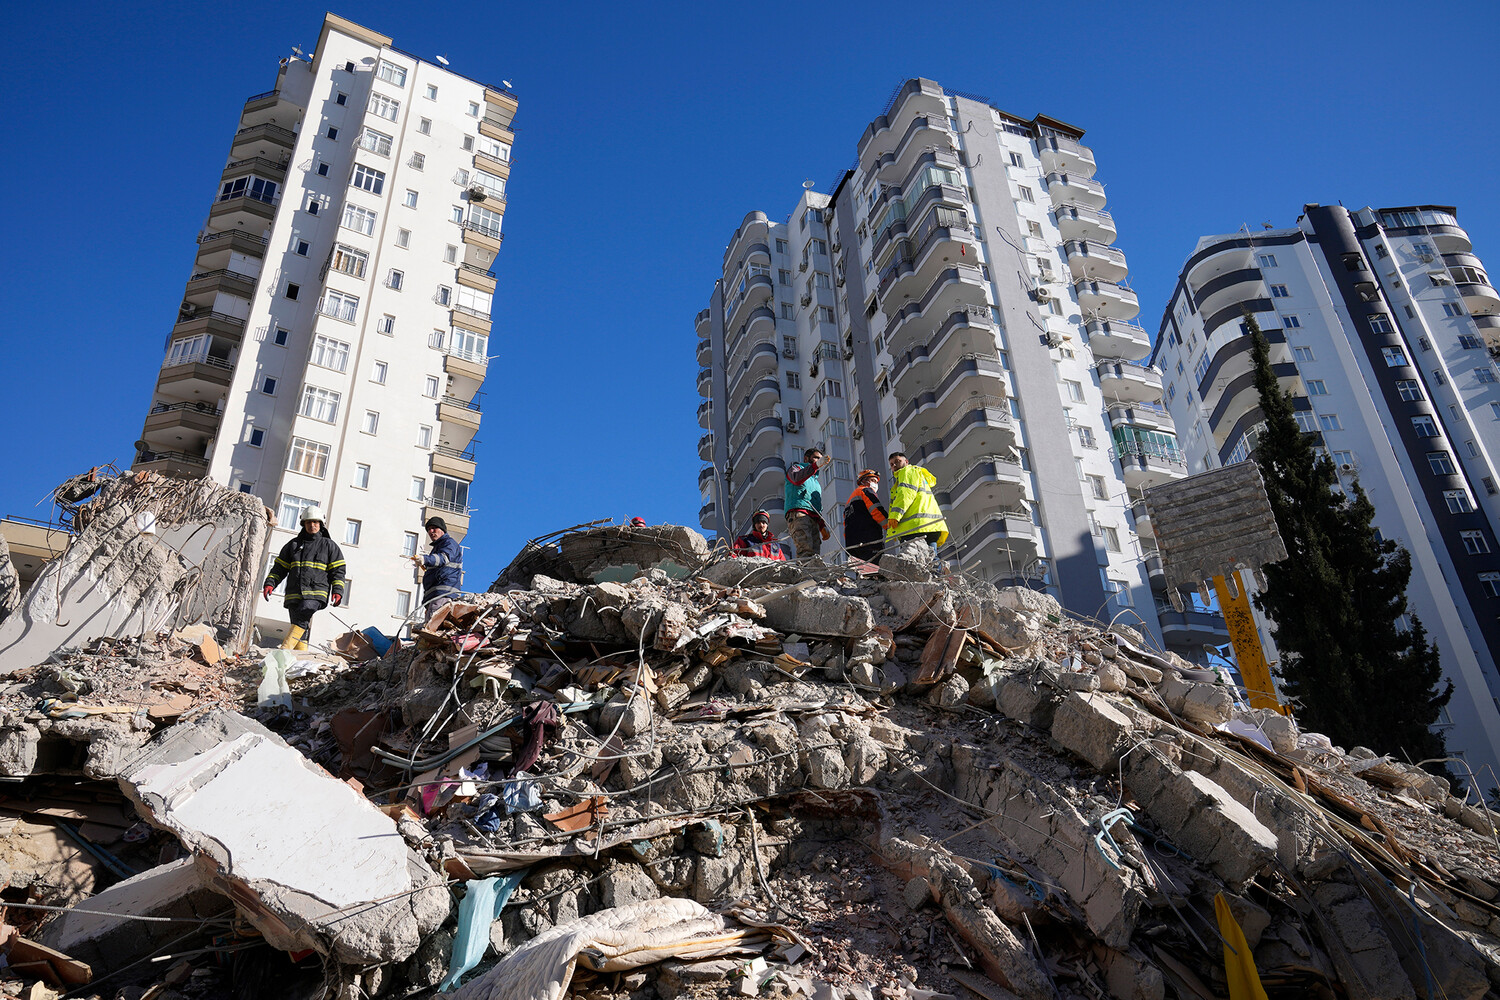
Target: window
[
  {"x": 349, "y": 260},
  {"x": 322, "y": 170},
  {"x": 819, "y": 247},
  {"x": 339, "y": 305},
  {"x": 793, "y": 380},
  {"x": 361, "y": 220},
  {"x": 268, "y": 385},
  {"x": 292, "y": 289},
  {"x": 820, "y": 280},
  {"x": 351, "y": 532},
  {"x": 395, "y": 279},
  {"x": 383, "y": 107},
  {"x": 1266, "y": 259},
  {"x": 1034, "y": 228},
  {"x": 332, "y": 133},
  {"x": 1424, "y": 426},
  {"x": 431, "y": 92},
  {"x": 386, "y": 325},
  {"x": 1201, "y": 368},
  {"x": 1491, "y": 583},
  {"x": 1424, "y": 343},
  {"x": 409, "y": 543},
  {"x": 1353, "y": 262},
  {"x": 1111, "y": 539},
  {"x": 456, "y": 214},
  {"x": 823, "y": 314},
  {"x": 1026, "y": 194},
  {"x": 841, "y": 469},
  {"x": 1097, "y": 487},
  {"x": 786, "y": 311},
  {"x": 1453, "y": 309},
  {"x": 1291, "y": 322},
  {"x": 1469, "y": 342},
  {"x": 320, "y": 404},
  {"x": 1279, "y": 292},
  {"x": 468, "y": 144},
  {"x": 1394, "y": 357},
  {"x": 473, "y": 109},
  {"x": 403, "y": 600},
  {"x": 1086, "y": 437},
  {"x": 303, "y": 247},
  {"x": 450, "y": 254},
  {"x": 1343, "y": 459},
  {"x": 1472, "y": 447},
  {"x": 1380, "y": 323},
  {"x": 1016, "y": 160},
  {"x": 257, "y": 437},
  {"x": 430, "y": 390},
  {"x": 371, "y": 422},
  {"x": 1474, "y": 542},
  {"x": 361, "y": 477},
  {"x": 1457, "y": 501},
  {"x": 424, "y": 125},
  {"x": 256, "y": 188},
  {"x": 375, "y": 142},
  {"x": 493, "y": 184},
  {"x": 473, "y": 301},
  {"x": 1485, "y": 374},
  {"x": 1409, "y": 390},
  {"x": 452, "y": 494},
  {"x": 436, "y": 339},
  {"x": 1303, "y": 353},
  {"x": 341, "y": 100},
  {"x": 468, "y": 344},
  {"x": 1074, "y": 390},
  {"x": 281, "y": 337},
  {"x": 369, "y": 180},
  {"x": 411, "y": 199},
  {"x": 1316, "y": 387},
  {"x": 424, "y": 436},
  {"x": 1330, "y": 422},
  {"x": 403, "y": 238},
  {"x": 379, "y": 371},
  {"x": 391, "y": 73},
  {"x": 1440, "y": 463},
  {"x": 290, "y": 509},
  {"x": 308, "y": 458},
  {"x": 494, "y": 150},
  {"x": 484, "y": 220},
  {"x": 330, "y": 353}
]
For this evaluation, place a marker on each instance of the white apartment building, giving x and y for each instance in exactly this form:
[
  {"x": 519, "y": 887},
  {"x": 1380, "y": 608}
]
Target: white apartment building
[
  {"x": 957, "y": 297},
  {"x": 1383, "y": 326},
  {"x": 334, "y": 332}
]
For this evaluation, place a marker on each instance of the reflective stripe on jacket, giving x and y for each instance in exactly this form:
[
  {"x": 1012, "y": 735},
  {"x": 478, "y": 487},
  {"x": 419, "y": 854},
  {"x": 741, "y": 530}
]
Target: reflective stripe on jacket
[
  {"x": 803, "y": 491},
  {"x": 864, "y": 518},
  {"x": 914, "y": 509},
  {"x": 313, "y": 567},
  {"x": 764, "y": 546},
  {"x": 443, "y": 574}
]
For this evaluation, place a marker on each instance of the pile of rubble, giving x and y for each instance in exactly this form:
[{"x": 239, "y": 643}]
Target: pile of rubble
[{"x": 637, "y": 769}]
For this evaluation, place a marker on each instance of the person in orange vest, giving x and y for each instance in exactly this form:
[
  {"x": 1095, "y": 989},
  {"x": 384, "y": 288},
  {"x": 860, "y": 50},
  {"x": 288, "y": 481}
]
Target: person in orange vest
[
  {"x": 864, "y": 518},
  {"x": 760, "y": 541}
]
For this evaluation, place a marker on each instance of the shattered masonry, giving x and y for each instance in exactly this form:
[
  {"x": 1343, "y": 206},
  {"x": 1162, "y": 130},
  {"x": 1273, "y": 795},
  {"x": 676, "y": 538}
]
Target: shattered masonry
[{"x": 676, "y": 775}]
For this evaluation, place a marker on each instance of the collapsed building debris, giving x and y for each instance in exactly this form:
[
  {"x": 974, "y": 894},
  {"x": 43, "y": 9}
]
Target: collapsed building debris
[{"x": 636, "y": 769}]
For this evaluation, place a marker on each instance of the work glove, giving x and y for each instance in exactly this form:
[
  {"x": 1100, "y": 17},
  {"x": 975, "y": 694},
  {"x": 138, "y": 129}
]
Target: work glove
[
  {"x": 267, "y": 591},
  {"x": 338, "y": 599}
]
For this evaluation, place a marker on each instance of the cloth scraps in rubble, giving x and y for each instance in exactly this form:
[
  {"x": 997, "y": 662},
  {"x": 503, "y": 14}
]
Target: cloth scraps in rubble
[
  {"x": 521, "y": 796},
  {"x": 483, "y": 900},
  {"x": 541, "y": 721}
]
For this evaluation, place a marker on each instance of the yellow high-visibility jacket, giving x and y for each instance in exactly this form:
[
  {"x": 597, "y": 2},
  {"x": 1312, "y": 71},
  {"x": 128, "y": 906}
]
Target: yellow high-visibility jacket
[{"x": 914, "y": 509}]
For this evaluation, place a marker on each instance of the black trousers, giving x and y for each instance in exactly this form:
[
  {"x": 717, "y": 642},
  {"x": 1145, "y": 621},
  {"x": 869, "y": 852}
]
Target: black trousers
[
  {"x": 867, "y": 551},
  {"x": 301, "y": 614}
]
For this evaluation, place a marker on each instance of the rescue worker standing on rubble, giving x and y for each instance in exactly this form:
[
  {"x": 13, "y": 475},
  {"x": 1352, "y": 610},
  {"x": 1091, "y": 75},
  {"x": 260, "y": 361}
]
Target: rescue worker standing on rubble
[
  {"x": 313, "y": 566},
  {"x": 803, "y": 503},
  {"x": 759, "y": 542},
  {"x": 864, "y": 517},
  {"x": 442, "y": 568},
  {"x": 915, "y": 522}
]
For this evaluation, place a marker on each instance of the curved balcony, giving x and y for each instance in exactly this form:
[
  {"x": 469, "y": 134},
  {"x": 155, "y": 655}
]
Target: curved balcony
[
  {"x": 982, "y": 426},
  {"x": 1144, "y": 468},
  {"x": 1087, "y": 259},
  {"x": 759, "y": 289},
  {"x": 957, "y": 289},
  {"x": 915, "y": 97},
  {"x": 1067, "y": 156},
  {"x": 938, "y": 246},
  {"x": 960, "y": 334},
  {"x": 1155, "y": 575},
  {"x": 179, "y": 426},
  {"x": 1232, "y": 361},
  {"x": 757, "y": 328},
  {"x": 216, "y": 250},
  {"x": 701, "y": 323},
  {"x": 705, "y": 352},
  {"x": 764, "y": 481},
  {"x": 1479, "y": 299},
  {"x": 706, "y": 447},
  {"x": 938, "y": 205},
  {"x": 975, "y": 375},
  {"x": 269, "y": 141},
  {"x": 1215, "y": 260},
  {"x": 1239, "y": 285},
  {"x": 925, "y": 134},
  {"x": 216, "y": 324},
  {"x": 1191, "y": 629},
  {"x": 764, "y": 393},
  {"x": 1149, "y": 415},
  {"x": 706, "y": 519},
  {"x": 1075, "y": 189},
  {"x": 763, "y": 440},
  {"x": 1238, "y": 396},
  {"x": 985, "y": 484},
  {"x": 756, "y": 248},
  {"x": 1000, "y": 544},
  {"x": 754, "y": 226},
  {"x": 1129, "y": 383},
  {"x": 1110, "y": 338},
  {"x": 705, "y": 413},
  {"x": 205, "y": 286},
  {"x": 763, "y": 360},
  {"x": 705, "y": 382},
  {"x": 706, "y": 477},
  {"x": 1141, "y": 515},
  {"x": 1080, "y": 222},
  {"x": 1107, "y": 300}
]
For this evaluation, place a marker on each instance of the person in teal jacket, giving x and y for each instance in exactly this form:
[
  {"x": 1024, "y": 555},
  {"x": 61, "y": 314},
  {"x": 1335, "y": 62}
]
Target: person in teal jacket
[{"x": 803, "y": 504}]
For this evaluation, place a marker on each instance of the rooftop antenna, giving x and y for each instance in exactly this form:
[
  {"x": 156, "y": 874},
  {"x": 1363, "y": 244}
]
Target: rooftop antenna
[{"x": 442, "y": 60}]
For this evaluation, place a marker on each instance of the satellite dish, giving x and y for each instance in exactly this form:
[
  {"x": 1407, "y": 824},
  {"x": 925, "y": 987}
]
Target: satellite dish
[
  {"x": 506, "y": 84},
  {"x": 442, "y": 60},
  {"x": 808, "y": 185}
]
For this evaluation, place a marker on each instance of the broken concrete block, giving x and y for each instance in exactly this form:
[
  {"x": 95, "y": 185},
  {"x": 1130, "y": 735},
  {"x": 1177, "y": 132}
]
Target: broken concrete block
[
  {"x": 820, "y": 611},
  {"x": 1206, "y": 821},
  {"x": 728, "y": 877},
  {"x": 917, "y": 893},
  {"x": 1111, "y": 677},
  {"x": 1093, "y": 729},
  {"x": 949, "y": 694},
  {"x": 631, "y": 714},
  {"x": 336, "y": 876},
  {"x": 623, "y": 883},
  {"x": 1281, "y": 731},
  {"x": 622, "y": 552},
  {"x": 1071, "y": 681},
  {"x": 908, "y": 599},
  {"x": 1026, "y": 599},
  {"x": 1209, "y": 704},
  {"x": 1027, "y": 701},
  {"x": 18, "y": 749},
  {"x": 894, "y": 566},
  {"x": 753, "y": 571},
  {"x": 594, "y": 614},
  {"x": 178, "y": 890}
]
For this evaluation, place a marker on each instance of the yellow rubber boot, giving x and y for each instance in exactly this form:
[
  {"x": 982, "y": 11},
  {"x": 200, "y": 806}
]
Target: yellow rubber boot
[{"x": 293, "y": 638}]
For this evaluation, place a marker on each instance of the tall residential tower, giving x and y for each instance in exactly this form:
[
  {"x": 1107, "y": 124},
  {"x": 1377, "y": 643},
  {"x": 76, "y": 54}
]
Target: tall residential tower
[
  {"x": 334, "y": 332},
  {"x": 1384, "y": 326},
  {"x": 957, "y": 296}
]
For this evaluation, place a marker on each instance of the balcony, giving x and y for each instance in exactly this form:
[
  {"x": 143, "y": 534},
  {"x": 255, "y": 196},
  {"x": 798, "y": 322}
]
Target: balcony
[
  {"x": 1075, "y": 189},
  {"x": 706, "y": 519},
  {"x": 705, "y": 413},
  {"x": 705, "y": 352},
  {"x": 1154, "y": 572},
  {"x": 1191, "y": 629},
  {"x": 268, "y": 141},
  {"x": 764, "y": 392},
  {"x": 1109, "y": 338},
  {"x": 1241, "y": 285},
  {"x": 1148, "y": 415},
  {"x": 205, "y": 287},
  {"x": 763, "y": 483},
  {"x": 706, "y": 477},
  {"x": 1480, "y": 299},
  {"x": 753, "y": 227},
  {"x": 455, "y": 515},
  {"x": 983, "y": 426},
  {"x": 261, "y": 103},
  {"x": 761, "y": 440},
  {"x": 244, "y": 212},
  {"x": 1080, "y": 222},
  {"x": 1066, "y": 156},
  {"x": 960, "y": 334},
  {"x": 971, "y": 377},
  {"x": 459, "y": 419},
  {"x": 916, "y": 97},
  {"x": 169, "y": 424},
  {"x": 1087, "y": 259},
  {"x": 1107, "y": 300},
  {"x": 194, "y": 374},
  {"x": 466, "y": 371},
  {"x": 763, "y": 360},
  {"x": 1147, "y": 467},
  {"x": 986, "y": 483},
  {"x": 215, "y": 250},
  {"x": 701, "y": 324},
  {"x": 1000, "y": 545},
  {"x": 1141, "y": 515},
  {"x": 501, "y": 130},
  {"x": 229, "y": 328},
  {"x": 925, "y": 134},
  {"x": 705, "y": 382},
  {"x": 483, "y": 237},
  {"x": 758, "y": 290},
  {"x": 173, "y": 464},
  {"x": 453, "y": 462},
  {"x": 957, "y": 289},
  {"x": 473, "y": 276},
  {"x": 706, "y": 447},
  {"x": 943, "y": 238},
  {"x": 1125, "y": 382}
]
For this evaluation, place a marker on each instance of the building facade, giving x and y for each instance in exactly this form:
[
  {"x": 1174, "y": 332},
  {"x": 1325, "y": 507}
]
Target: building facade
[
  {"x": 1384, "y": 327},
  {"x": 958, "y": 297},
  {"x": 334, "y": 333}
]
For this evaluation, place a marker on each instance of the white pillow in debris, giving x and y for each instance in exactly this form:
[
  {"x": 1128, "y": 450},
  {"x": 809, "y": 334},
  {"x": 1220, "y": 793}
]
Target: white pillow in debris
[{"x": 625, "y": 937}]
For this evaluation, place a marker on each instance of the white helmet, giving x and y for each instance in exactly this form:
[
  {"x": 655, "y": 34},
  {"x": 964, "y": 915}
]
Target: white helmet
[{"x": 313, "y": 513}]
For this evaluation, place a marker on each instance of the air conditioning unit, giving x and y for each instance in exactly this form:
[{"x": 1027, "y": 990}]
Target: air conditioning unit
[
  {"x": 848, "y": 354},
  {"x": 477, "y": 193},
  {"x": 788, "y": 352},
  {"x": 1053, "y": 339},
  {"x": 815, "y": 409},
  {"x": 807, "y": 299},
  {"x": 812, "y": 369},
  {"x": 1042, "y": 293},
  {"x": 857, "y": 432},
  {"x": 188, "y": 310},
  {"x": 837, "y": 246},
  {"x": 839, "y": 280},
  {"x": 1346, "y": 467},
  {"x": 802, "y": 266},
  {"x": 793, "y": 425}
]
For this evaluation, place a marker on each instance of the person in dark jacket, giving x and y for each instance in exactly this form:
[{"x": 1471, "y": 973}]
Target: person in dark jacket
[
  {"x": 312, "y": 564},
  {"x": 864, "y": 518},
  {"x": 442, "y": 568},
  {"x": 760, "y": 541}
]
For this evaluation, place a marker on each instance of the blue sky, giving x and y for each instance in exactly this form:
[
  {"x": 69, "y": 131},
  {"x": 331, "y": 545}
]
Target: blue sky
[{"x": 646, "y": 132}]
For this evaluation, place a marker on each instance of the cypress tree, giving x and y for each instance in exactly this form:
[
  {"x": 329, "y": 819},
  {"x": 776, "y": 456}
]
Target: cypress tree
[{"x": 1336, "y": 600}]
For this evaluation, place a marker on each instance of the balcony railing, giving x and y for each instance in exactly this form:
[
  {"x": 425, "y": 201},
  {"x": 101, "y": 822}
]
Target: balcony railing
[
  {"x": 466, "y": 404},
  {"x": 142, "y": 457},
  {"x": 489, "y": 231},
  {"x": 198, "y": 407},
  {"x": 475, "y": 355},
  {"x": 492, "y": 120},
  {"x": 262, "y": 97},
  {"x": 467, "y": 454},
  {"x": 270, "y": 132},
  {"x": 451, "y": 506},
  {"x": 207, "y": 238},
  {"x": 488, "y": 272},
  {"x": 197, "y": 359},
  {"x": 470, "y": 311}
]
